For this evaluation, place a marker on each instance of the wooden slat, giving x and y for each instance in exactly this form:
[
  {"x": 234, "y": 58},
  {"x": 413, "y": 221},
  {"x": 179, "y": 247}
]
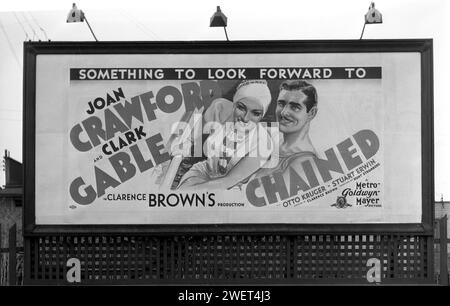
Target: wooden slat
[
  {"x": 186, "y": 258},
  {"x": 362, "y": 265},
  {"x": 395, "y": 250},
  {"x": 382, "y": 257},
  {"x": 402, "y": 256},
  {"x": 129, "y": 264},
  {"x": 62, "y": 258},
  {"x": 108, "y": 259},
  {"x": 415, "y": 259},
  {"x": 317, "y": 266},
  {"x": 65, "y": 256},
  {"x": 49, "y": 253},
  {"x": 280, "y": 257},
  {"x": 12, "y": 255},
  {"x": 443, "y": 251},
  {"x": 136, "y": 257},
  {"x": 342, "y": 256},
  {"x": 429, "y": 258},
  {"x": 288, "y": 263},
  {"x": 267, "y": 256},
  {"x": 207, "y": 257},
  {"x": 227, "y": 262},
  {"x": 87, "y": 246},
  {"x": 104, "y": 265},
  {"x": 194, "y": 258},
  {"x": 101, "y": 265},
  {"x": 1, "y": 255},
  {"x": 295, "y": 256},
  {"x": 44, "y": 257},
  {"x": 164, "y": 261},
  {"x": 92, "y": 264},
  {"x": 216, "y": 255},
  {"x": 172, "y": 259},
  {"x": 158, "y": 259},
  {"x": 60, "y": 276},
  {"x": 323, "y": 250},
  {"x": 257, "y": 251},
  {"x": 144, "y": 257},
  {"x": 310, "y": 257},
  {"x": 300, "y": 256},
  {"x": 200, "y": 258},
  {"x": 392, "y": 253},
  {"x": 121, "y": 242},
  {"x": 408, "y": 266},
  {"x": 238, "y": 256},
  {"x": 50, "y": 257},
  {"x": 418, "y": 257},
  {"x": 274, "y": 249},
  {"x": 150, "y": 258},
  {"x": 79, "y": 245}
]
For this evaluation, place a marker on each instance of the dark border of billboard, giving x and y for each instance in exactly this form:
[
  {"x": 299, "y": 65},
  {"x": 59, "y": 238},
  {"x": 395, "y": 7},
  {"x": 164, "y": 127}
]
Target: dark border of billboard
[{"x": 423, "y": 46}]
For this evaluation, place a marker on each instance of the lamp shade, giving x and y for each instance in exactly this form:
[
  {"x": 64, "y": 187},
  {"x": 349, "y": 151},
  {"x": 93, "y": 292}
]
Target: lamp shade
[
  {"x": 75, "y": 15},
  {"x": 373, "y": 15},
  {"x": 218, "y": 19}
]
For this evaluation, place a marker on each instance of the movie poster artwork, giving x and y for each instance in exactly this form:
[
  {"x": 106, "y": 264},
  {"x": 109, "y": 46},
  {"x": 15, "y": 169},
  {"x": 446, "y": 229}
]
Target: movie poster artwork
[{"x": 228, "y": 138}]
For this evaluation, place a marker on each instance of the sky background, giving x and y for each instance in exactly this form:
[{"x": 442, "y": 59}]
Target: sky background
[{"x": 134, "y": 20}]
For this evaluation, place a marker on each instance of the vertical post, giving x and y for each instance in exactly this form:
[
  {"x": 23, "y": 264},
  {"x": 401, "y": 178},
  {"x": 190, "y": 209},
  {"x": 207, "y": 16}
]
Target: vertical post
[
  {"x": 443, "y": 249},
  {"x": 12, "y": 256},
  {"x": 1, "y": 256},
  {"x": 27, "y": 261}
]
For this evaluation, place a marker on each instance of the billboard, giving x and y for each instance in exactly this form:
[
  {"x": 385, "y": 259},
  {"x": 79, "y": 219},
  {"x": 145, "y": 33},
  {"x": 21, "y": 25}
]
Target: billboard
[{"x": 179, "y": 135}]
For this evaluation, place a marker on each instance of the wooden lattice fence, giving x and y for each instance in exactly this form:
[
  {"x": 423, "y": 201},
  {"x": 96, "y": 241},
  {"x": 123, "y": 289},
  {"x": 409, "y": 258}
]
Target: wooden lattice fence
[
  {"x": 223, "y": 258},
  {"x": 11, "y": 260}
]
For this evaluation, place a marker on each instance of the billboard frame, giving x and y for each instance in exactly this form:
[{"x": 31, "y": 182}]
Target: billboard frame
[{"x": 423, "y": 46}]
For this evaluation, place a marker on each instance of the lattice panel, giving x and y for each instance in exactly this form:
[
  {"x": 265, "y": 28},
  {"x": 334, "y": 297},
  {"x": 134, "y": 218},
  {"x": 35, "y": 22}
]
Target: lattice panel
[{"x": 230, "y": 258}]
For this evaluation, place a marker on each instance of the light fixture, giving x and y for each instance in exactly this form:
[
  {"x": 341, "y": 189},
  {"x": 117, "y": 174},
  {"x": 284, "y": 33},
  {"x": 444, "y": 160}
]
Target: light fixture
[
  {"x": 373, "y": 16},
  {"x": 76, "y": 15},
  {"x": 219, "y": 20}
]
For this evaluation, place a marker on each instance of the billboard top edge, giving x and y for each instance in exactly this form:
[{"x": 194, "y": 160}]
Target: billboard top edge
[
  {"x": 234, "y": 42},
  {"x": 243, "y": 46}
]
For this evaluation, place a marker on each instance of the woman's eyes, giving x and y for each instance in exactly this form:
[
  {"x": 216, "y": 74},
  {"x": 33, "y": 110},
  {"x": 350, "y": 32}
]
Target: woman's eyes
[{"x": 257, "y": 114}]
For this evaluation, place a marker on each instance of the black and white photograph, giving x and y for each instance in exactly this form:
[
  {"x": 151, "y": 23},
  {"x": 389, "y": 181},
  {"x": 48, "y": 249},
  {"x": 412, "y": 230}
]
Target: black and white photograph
[{"x": 226, "y": 143}]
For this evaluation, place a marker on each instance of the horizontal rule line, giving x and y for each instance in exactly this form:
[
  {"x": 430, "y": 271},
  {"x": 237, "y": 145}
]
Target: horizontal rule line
[{"x": 268, "y": 73}]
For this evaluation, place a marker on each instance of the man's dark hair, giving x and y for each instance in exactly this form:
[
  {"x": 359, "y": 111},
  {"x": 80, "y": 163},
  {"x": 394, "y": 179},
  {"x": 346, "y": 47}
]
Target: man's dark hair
[{"x": 307, "y": 89}]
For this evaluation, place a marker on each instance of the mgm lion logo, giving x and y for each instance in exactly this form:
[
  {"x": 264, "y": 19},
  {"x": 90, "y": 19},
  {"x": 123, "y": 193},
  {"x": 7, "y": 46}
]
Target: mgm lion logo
[{"x": 341, "y": 202}]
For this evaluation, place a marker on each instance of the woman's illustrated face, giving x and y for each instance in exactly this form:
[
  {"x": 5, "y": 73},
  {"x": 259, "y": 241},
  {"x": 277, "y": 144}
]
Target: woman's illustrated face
[{"x": 247, "y": 113}]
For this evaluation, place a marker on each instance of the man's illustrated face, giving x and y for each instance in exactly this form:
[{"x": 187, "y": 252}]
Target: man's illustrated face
[{"x": 291, "y": 111}]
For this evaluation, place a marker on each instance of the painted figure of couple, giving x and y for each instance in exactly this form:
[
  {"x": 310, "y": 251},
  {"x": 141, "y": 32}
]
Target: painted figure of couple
[{"x": 234, "y": 154}]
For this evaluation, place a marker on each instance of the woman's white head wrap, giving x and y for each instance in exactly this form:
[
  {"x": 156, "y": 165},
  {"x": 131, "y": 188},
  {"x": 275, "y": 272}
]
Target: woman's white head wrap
[{"x": 256, "y": 90}]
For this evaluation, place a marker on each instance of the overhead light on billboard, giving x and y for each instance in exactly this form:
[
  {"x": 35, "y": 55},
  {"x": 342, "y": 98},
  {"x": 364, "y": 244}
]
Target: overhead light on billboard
[
  {"x": 76, "y": 15},
  {"x": 373, "y": 16},
  {"x": 219, "y": 20}
]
